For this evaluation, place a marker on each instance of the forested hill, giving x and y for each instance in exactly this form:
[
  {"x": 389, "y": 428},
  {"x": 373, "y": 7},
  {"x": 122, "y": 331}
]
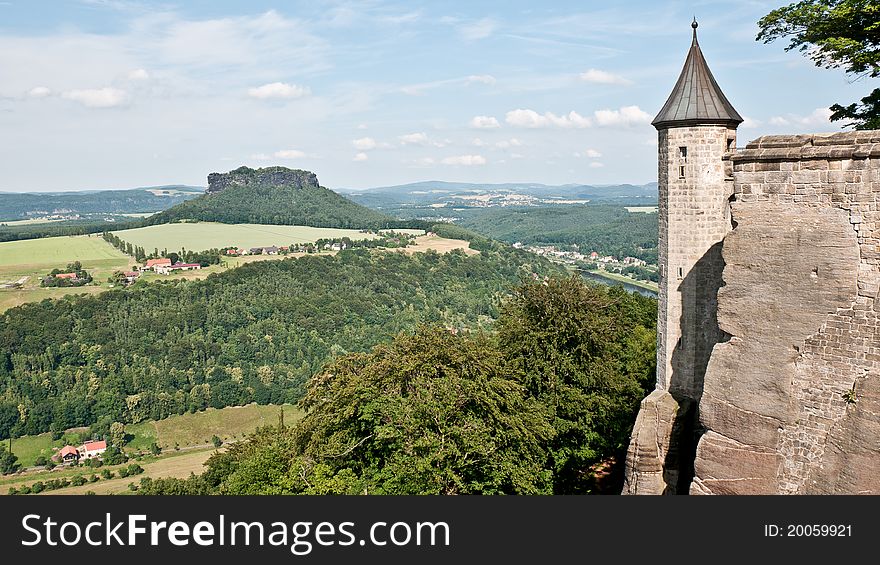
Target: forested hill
[
  {"x": 253, "y": 333},
  {"x": 23, "y": 205},
  {"x": 272, "y": 195}
]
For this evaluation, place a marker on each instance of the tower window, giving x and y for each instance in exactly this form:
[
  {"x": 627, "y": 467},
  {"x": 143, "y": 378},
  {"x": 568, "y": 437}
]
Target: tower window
[
  {"x": 681, "y": 171},
  {"x": 730, "y": 144},
  {"x": 683, "y": 153},
  {"x": 680, "y": 273}
]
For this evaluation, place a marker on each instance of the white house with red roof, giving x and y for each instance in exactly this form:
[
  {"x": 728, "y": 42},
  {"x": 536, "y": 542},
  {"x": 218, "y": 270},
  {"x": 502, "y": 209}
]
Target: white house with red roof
[
  {"x": 154, "y": 263},
  {"x": 92, "y": 449}
]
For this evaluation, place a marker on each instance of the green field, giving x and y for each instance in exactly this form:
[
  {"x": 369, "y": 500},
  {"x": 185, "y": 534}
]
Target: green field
[
  {"x": 34, "y": 258},
  {"x": 199, "y": 236},
  {"x": 187, "y": 430},
  {"x": 58, "y": 251}
]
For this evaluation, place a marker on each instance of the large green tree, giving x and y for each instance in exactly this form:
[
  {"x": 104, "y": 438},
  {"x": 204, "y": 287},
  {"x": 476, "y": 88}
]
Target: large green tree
[
  {"x": 587, "y": 353},
  {"x": 834, "y": 34}
]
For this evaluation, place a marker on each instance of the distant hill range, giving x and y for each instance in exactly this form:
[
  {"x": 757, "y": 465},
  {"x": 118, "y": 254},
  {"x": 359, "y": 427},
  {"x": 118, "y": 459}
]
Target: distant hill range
[
  {"x": 26, "y": 205},
  {"x": 435, "y": 193},
  {"x": 272, "y": 195}
]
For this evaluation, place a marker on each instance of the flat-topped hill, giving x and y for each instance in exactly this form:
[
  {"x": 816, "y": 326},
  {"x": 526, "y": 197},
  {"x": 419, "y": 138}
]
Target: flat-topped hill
[{"x": 272, "y": 195}]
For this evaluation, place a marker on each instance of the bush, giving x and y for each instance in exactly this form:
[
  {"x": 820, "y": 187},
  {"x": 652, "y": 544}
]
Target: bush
[
  {"x": 155, "y": 449},
  {"x": 11, "y": 491},
  {"x": 123, "y": 472},
  {"x": 106, "y": 474},
  {"x": 93, "y": 478},
  {"x": 78, "y": 480},
  {"x": 40, "y": 461},
  {"x": 135, "y": 469},
  {"x": 38, "y": 487},
  {"x": 216, "y": 441},
  {"x": 24, "y": 490}
]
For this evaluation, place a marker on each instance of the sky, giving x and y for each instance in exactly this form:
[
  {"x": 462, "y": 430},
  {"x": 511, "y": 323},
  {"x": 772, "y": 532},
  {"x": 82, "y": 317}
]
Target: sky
[{"x": 100, "y": 94}]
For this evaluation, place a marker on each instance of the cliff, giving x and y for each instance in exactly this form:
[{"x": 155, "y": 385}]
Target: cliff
[
  {"x": 790, "y": 402},
  {"x": 273, "y": 195}
]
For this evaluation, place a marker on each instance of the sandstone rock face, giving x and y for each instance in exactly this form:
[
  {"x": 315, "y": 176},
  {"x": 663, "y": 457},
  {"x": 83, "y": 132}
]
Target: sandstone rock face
[
  {"x": 268, "y": 176},
  {"x": 790, "y": 400},
  {"x": 649, "y": 459},
  {"x": 787, "y": 269}
]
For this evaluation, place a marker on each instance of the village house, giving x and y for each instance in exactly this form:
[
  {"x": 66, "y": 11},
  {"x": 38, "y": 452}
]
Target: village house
[
  {"x": 167, "y": 269},
  {"x": 68, "y": 454},
  {"x": 65, "y": 276},
  {"x": 131, "y": 276},
  {"x": 271, "y": 250},
  {"x": 92, "y": 449},
  {"x": 154, "y": 263}
]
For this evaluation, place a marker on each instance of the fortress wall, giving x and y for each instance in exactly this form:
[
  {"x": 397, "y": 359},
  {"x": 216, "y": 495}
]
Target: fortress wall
[{"x": 791, "y": 403}]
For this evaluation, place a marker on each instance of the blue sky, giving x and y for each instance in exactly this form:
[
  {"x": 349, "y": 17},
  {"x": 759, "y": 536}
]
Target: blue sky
[{"x": 119, "y": 93}]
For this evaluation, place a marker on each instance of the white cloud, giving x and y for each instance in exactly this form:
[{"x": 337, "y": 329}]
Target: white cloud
[
  {"x": 477, "y": 142},
  {"x": 466, "y": 160},
  {"x": 484, "y": 122},
  {"x": 39, "y": 92},
  {"x": 362, "y": 126},
  {"x": 507, "y": 143},
  {"x": 531, "y": 119},
  {"x": 364, "y": 144},
  {"x": 603, "y": 77},
  {"x": 778, "y": 121},
  {"x": 138, "y": 74},
  {"x": 818, "y": 117},
  {"x": 591, "y": 154},
  {"x": 517, "y": 156},
  {"x": 361, "y": 157},
  {"x": 260, "y": 157},
  {"x": 278, "y": 90},
  {"x": 97, "y": 97},
  {"x": 479, "y": 29},
  {"x": 484, "y": 79},
  {"x": 625, "y": 116},
  {"x": 290, "y": 154},
  {"x": 749, "y": 123},
  {"x": 596, "y": 165},
  {"x": 422, "y": 139},
  {"x": 414, "y": 139}
]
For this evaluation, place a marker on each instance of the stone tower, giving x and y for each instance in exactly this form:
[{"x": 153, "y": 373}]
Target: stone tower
[{"x": 696, "y": 128}]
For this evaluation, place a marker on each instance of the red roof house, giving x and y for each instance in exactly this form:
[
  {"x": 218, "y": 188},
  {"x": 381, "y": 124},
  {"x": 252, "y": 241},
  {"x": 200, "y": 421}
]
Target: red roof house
[
  {"x": 92, "y": 449},
  {"x": 65, "y": 276},
  {"x": 153, "y": 262},
  {"x": 68, "y": 453}
]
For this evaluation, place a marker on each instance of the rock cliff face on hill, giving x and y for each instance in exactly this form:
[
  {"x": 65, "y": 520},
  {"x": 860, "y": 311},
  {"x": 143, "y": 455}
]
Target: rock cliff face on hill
[
  {"x": 277, "y": 176},
  {"x": 790, "y": 402},
  {"x": 273, "y": 195}
]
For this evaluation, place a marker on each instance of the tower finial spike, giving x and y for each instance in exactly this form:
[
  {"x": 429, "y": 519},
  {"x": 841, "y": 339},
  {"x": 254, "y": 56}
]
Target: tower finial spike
[{"x": 694, "y": 25}]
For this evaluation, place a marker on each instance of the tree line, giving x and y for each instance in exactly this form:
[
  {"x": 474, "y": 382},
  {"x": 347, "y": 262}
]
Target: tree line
[
  {"x": 252, "y": 334},
  {"x": 539, "y": 403}
]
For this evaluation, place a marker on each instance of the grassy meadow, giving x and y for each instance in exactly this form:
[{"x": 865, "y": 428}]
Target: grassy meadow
[
  {"x": 198, "y": 236},
  {"x": 27, "y": 261}
]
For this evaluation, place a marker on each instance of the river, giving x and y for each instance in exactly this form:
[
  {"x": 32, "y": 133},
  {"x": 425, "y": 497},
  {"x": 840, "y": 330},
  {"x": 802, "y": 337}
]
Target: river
[{"x": 630, "y": 287}]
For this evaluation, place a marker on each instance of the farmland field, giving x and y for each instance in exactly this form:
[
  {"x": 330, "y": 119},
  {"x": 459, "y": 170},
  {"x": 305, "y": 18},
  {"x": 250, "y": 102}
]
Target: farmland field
[
  {"x": 58, "y": 251},
  {"x": 199, "y": 236},
  {"x": 26, "y": 261},
  {"x": 189, "y": 430}
]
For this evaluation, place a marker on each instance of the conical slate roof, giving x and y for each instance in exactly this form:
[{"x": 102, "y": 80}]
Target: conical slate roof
[{"x": 696, "y": 98}]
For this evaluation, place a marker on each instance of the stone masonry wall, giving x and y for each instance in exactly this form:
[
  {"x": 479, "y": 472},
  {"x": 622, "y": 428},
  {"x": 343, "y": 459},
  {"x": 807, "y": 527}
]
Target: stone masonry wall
[
  {"x": 790, "y": 402},
  {"x": 693, "y": 217}
]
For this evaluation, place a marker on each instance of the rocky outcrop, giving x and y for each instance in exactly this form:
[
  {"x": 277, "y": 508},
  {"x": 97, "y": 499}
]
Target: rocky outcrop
[
  {"x": 268, "y": 176},
  {"x": 788, "y": 268},
  {"x": 790, "y": 402}
]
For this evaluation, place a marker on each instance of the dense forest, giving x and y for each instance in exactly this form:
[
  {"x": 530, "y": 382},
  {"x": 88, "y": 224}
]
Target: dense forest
[
  {"x": 254, "y": 333},
  {"x": 608, "y": 230},
  {"x": 536, "y": 406},
  {"x": 273, "y": 195}
]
